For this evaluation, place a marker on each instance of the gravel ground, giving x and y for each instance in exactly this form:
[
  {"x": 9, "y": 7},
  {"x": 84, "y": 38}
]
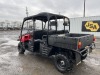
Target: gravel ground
[{"x": 11, "y": 63}]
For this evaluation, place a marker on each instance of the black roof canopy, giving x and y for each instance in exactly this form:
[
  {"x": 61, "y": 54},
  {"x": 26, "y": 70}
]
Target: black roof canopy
[{"x": 44, "y": 16}]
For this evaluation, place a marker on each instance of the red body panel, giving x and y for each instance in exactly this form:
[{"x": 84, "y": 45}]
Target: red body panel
[{"x": 25, "y": 37}]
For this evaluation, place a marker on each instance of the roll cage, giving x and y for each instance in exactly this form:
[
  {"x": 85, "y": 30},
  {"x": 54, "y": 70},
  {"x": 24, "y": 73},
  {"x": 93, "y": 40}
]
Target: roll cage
[{"x": 46, "y": 18}]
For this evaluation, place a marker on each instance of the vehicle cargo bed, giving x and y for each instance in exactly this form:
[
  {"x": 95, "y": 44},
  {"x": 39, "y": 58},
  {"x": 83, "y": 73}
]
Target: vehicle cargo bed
[{"x": 70, "y": 40}]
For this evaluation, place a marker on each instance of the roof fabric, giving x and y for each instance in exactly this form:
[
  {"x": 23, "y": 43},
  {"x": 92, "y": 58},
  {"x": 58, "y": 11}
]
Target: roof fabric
[{"x": 44, "y": 16}]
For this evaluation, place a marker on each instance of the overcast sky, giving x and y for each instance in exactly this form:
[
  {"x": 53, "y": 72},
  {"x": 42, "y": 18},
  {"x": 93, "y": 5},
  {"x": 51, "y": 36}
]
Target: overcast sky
[{"x": 16, "y": 9}]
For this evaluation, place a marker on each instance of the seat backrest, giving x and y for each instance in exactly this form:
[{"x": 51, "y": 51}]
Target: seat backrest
[{"x": 38, "y": 34}]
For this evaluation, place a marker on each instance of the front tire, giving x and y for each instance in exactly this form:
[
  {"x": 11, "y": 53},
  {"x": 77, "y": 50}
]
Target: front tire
[
  {"x": 61, "y": 63},
  {"x": 21, "y": 50}
]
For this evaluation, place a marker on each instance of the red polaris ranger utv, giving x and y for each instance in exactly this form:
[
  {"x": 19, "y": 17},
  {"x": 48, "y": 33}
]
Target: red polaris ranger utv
[{"x": 41, "y": 34}]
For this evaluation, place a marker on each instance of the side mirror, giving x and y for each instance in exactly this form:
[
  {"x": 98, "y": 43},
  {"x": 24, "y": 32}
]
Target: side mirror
[{"x": 66, "y": 23}]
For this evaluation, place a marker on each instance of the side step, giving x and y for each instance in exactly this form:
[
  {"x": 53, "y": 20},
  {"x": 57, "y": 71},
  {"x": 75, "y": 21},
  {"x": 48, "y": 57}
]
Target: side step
[
  {"x": 44, "y": 49},
  {"x": 44, "y": 52}
]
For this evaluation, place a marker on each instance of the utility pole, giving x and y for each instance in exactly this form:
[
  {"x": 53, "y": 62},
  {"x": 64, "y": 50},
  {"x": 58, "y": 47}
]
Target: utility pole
[
  {"x": 27, "y": 15},
  {"x": 84, "y": 9}
]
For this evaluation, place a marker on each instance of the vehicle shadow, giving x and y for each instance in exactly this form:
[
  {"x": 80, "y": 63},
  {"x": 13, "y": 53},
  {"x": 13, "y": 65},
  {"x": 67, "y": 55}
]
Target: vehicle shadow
[{"x": 81, "y": 69}]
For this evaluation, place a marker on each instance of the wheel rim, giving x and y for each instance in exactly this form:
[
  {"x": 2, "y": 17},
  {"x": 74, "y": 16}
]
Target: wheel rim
[{"x": 61, "y": 63}]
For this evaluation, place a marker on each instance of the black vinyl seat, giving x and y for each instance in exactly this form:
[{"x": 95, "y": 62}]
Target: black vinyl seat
[{"x": 38, "y": 34}]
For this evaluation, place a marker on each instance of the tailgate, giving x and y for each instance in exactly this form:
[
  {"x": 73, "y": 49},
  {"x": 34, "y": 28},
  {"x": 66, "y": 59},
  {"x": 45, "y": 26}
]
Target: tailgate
[{"x": 86, "y": 40}]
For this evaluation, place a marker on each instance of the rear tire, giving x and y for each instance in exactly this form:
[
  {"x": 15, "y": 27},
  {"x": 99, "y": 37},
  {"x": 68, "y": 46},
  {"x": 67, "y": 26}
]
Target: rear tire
[
  {"x": 61, "y": 63},
  {"x": 21, "y": 50}
]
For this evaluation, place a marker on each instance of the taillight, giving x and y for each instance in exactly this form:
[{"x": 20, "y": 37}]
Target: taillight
[
  {"x": 94, "y": 38},
  {"x": 79, "y": 45}
]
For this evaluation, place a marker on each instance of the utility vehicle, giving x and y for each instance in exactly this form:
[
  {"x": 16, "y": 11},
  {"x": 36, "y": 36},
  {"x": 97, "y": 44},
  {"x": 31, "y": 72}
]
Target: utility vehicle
[{"x": 65, "y": 48}]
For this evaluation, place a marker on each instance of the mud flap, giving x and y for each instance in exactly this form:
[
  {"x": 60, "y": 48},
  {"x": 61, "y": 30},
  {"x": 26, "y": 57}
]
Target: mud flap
[{"x": 78, "y": 58}]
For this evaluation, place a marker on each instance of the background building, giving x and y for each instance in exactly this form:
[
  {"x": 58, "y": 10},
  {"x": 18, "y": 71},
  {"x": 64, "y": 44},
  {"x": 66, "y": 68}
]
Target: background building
[
  {"x": 87, "y": 25},
  {"x": 10, "y": 25}
]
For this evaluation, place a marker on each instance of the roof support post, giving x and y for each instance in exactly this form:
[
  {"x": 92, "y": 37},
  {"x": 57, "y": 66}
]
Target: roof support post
[
  {"x": 42, "y": 25},
  {"x": 48, "y": 30},
  {"x": 21, "y": 31}
]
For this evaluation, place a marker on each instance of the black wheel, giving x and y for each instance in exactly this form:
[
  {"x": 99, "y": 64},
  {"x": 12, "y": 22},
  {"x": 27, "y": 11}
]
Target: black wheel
[
  {"x": 61, "y": 63},
  {"x": 21, "y": 50}
]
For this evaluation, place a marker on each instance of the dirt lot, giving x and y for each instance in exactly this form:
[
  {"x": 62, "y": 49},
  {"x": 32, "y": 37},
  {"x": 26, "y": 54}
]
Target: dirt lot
[{"x": 11, "y": 63}]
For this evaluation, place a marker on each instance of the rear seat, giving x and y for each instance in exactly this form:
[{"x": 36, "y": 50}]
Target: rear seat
[{"x": 40, "y": 33}]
